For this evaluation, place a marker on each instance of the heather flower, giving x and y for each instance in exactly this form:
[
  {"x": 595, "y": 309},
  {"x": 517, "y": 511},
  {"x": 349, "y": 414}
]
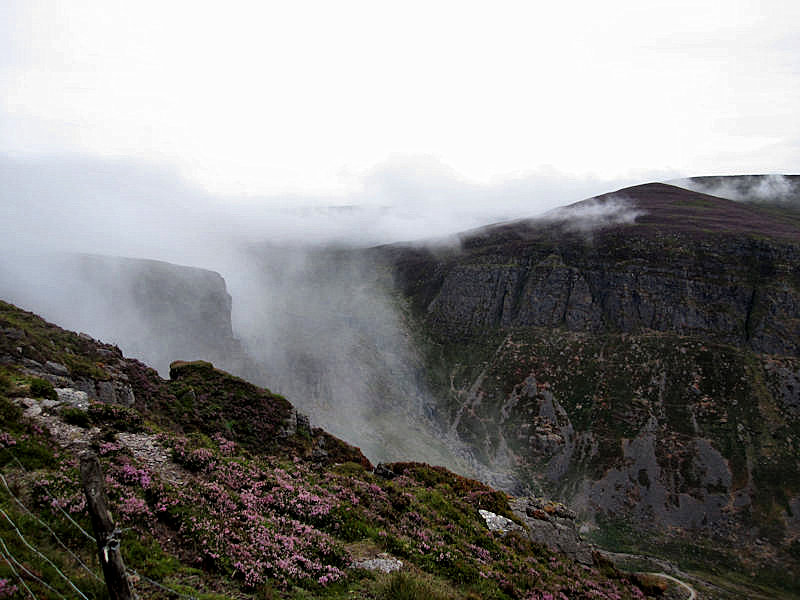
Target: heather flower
[
  {"x": 7, "y": 589},
  {"x": 226, "y": 446},
  {"x": 133, "y": 508},
  {"x": 132, "y": 475},
  {"x": 109, "y": 447}
]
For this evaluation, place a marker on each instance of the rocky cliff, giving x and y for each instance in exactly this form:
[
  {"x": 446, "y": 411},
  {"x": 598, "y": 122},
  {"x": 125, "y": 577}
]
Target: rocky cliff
[
  {"x": 636, "y": 354},
  {"x": 690, "y": 264},
  {"x": 154, "y": 310}
]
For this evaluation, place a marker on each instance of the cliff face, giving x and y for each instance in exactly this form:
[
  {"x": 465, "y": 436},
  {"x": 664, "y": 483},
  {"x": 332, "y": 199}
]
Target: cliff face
[
  {"x": 741, "y": 292},
  {"x": 691, "y": 264},
  {"x": 636, "y": 354},
  {"x": 156, "y": 311},
  {"x": 186, "y": 311}
]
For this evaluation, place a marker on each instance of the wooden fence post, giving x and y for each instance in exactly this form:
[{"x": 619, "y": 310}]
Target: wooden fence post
[{"x": 107, "y": 535}]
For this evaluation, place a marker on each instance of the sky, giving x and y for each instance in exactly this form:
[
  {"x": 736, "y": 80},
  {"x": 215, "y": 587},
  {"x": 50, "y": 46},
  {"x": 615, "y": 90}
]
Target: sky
[{"x": 324, "y": 102}]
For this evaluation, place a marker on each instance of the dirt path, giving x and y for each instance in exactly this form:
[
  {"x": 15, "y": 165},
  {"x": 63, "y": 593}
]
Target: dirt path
[
  {"x": 683, "y": 584},
  {"x": 672, "y": 573}
]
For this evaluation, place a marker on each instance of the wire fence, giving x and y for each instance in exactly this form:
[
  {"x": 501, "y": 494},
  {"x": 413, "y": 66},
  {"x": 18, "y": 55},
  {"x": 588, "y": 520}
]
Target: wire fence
[
  {"x": 8, "y": 560},
  {"x": 42, "y": 556},
  {"x": 52, "y": 499},
  {"x": 159, "y": 585},
  {"x": 13, "y": 563},
  {"x": 8, "y": 556},
  {"x": 53, "y": 533}
]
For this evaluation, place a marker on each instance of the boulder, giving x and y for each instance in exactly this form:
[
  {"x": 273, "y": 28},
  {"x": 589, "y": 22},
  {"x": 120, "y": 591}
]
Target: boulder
[
  {"x": 497, "y": 522},
  {"x": 76, "y": 398},
  {"x": 383, "y": 563},
  {"x": 553, "y": 525}
]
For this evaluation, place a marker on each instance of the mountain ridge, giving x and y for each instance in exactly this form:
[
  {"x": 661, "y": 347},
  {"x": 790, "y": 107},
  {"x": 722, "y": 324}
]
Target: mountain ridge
[{"x": 642, "y": 369}]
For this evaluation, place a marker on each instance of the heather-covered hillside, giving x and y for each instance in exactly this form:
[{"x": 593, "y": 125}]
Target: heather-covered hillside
[{"x": 221, "y": 489}]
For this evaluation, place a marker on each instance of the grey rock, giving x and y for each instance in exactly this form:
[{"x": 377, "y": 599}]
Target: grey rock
[
  {"x": 381, "y": 470},
  {"x": 31, "y": 407},
  {"x": 87, "y": 386},
  {"x": 107, "y": 353},
  {"x": 114, "y": 392},
  {"x": 787, "y": 382},
  {"x": 497, "y": 522},
  {"x": 383, "y": 563},
  {"x": 319, "y": 452},
  {"x": 75, "y": 398},
  {"x": 553, "y": 525},
  {"x": 56, "y": 368},
  {"x": 12, "y": 333},
  {"x": 297, "y": 422},
  {"x": 303, "y": 423}
]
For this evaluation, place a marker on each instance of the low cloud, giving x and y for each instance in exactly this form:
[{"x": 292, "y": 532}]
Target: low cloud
[
  {"x": 594, "y": 214},
  {"x": 317, "y": 324},
  {"x": 746, "y": 188}
]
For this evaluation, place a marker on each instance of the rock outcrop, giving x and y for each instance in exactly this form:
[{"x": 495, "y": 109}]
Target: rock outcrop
[
  {"x": 553, "y": 525},
  {"x": 498, "y": 523}
]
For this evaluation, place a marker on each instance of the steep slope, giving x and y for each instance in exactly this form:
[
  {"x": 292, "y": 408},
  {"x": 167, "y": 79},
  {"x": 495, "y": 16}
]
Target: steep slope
[
  {"x": 222, "y": 490},
  {"x": 636, "y": 354}
]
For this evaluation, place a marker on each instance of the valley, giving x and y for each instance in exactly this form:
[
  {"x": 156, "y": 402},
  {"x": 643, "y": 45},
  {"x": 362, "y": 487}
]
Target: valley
[{"x": 635, "y": 356}]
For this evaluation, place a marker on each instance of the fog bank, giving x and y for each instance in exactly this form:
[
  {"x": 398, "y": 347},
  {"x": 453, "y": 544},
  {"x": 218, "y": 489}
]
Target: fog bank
[{"x": 315, "y": 322}]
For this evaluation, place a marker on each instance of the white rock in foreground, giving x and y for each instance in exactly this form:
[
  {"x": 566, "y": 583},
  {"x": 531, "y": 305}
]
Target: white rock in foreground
[
  {"x": 383, "y": 563},
  {"x": 76, "y": 398},
  {"x": 497, "y": 522}
]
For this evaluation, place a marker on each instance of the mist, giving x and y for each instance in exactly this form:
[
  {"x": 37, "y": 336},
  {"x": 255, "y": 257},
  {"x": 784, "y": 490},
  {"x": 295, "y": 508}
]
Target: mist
[
  {"x": 593, "y": 214},
  {"x": 310, "y": 318},
  {"x": 774, "y": 188}
]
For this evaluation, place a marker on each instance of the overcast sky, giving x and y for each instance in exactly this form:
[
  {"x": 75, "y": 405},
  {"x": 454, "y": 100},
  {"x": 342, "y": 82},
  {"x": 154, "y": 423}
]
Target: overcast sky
[{"x": 264, "y": 98}]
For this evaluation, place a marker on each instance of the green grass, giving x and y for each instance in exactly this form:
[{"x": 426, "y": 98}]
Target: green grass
[
  {"x": 40, "y": 388},
  {"x": 407, "y": 586}
]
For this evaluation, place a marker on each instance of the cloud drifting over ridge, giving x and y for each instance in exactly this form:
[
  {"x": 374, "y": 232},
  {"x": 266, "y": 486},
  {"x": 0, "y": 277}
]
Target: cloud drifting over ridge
[
  {"x": 321, "y": 331},
  {"x": 128, "y": 208},
  {"x": 746, "y": 188},
  {"x": 593, "y": 214}
]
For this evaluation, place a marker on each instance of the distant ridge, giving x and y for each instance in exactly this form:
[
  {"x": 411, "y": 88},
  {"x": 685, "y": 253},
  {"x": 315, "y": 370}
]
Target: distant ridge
[{"x": 650, "y": 209}]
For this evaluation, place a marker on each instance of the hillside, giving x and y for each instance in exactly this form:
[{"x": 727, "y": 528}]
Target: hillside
[
  {"x": 222, "y": 490},
  {"x": 636, "y": 355}
]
